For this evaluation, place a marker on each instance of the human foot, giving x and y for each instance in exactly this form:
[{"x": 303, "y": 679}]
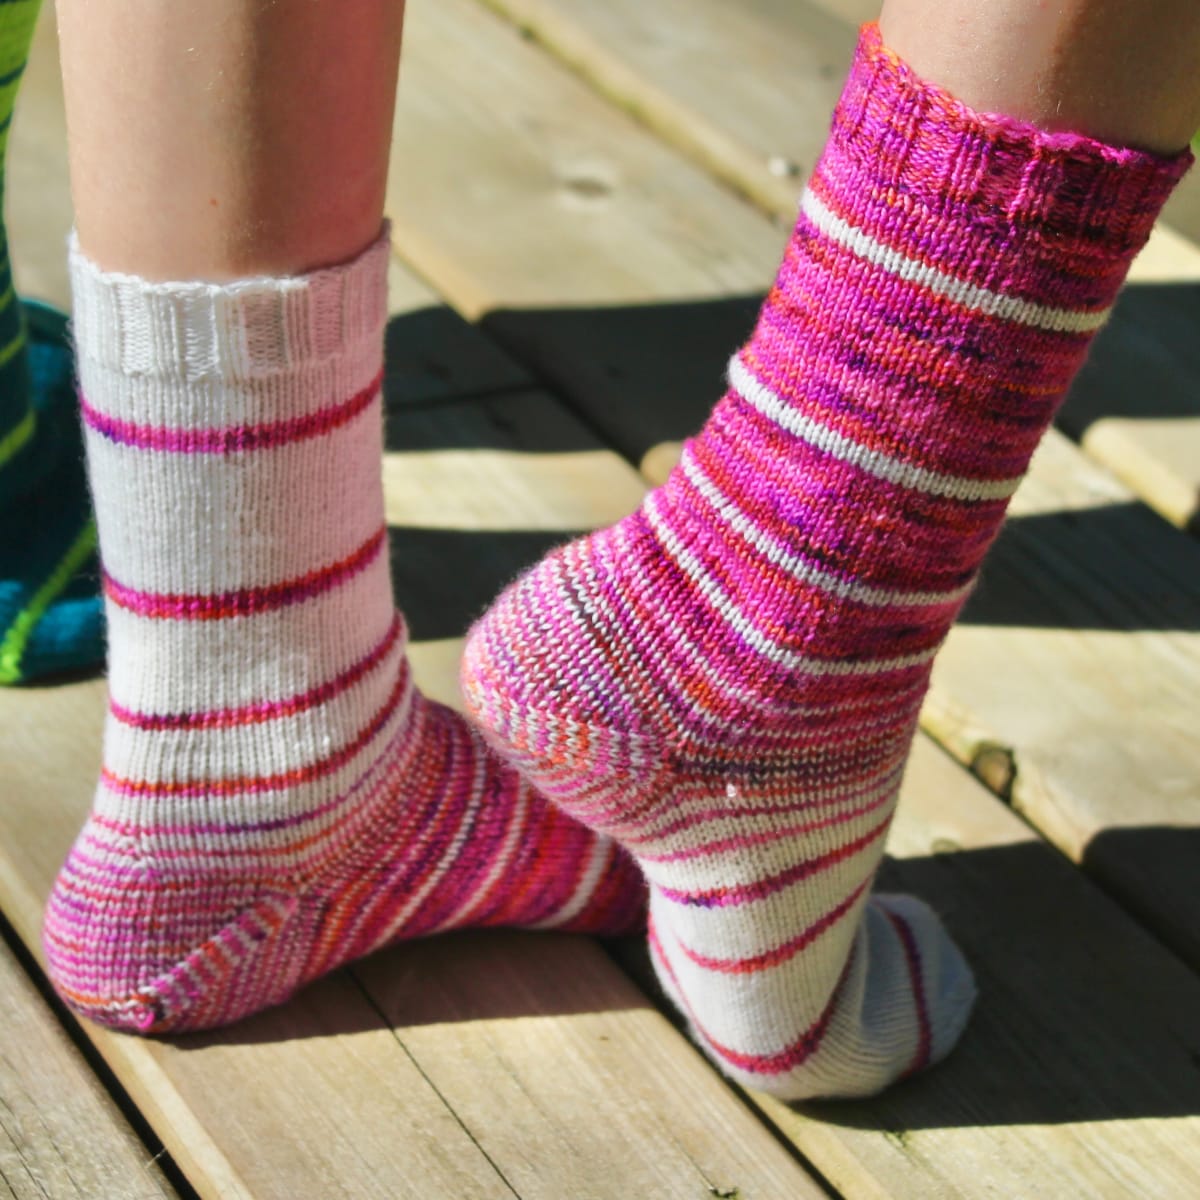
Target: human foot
[
  {"x": 728, "y": 681},
  {"x": 277, "y": 798}
]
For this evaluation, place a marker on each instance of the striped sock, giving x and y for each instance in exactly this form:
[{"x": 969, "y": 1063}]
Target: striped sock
[
  {"x": 276, "y": 796},
  {"x": 50, "y": 613},
  {"x": 728, "y": 681}
]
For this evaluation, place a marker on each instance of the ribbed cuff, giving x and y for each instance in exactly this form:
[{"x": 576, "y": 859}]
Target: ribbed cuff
[
  {"x": 937, "y": 150},
  {"x": 242, "y": 331}
]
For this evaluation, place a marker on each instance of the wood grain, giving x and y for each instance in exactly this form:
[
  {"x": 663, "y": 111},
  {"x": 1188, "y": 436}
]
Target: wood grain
[{"x": 61, "y": 1135}]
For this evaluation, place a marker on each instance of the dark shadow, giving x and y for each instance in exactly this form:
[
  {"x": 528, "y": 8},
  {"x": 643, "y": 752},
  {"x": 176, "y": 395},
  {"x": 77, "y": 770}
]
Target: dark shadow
[
  {"x": 1152, "y": 872},
  {"x": 445, "y": 578},
  {"x": 432, "y": 355},
  {"x": 1119, "y": 567},
  {"x": 1082, "y": 1015},
  {"x": 639, "y": 374},
  {"x": 1144, "y": 363}
]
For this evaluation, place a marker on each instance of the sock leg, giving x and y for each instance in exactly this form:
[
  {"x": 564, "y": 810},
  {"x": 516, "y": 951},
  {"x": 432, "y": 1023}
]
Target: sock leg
[
  {"x": 50, "y": 614},
  {"x": 728, "y": 681},
  {"x": 276, "y": 798}
]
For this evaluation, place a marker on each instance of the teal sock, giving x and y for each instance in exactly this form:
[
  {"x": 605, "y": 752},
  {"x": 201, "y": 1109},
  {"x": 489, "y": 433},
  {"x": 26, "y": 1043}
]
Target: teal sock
[{"x": 50, "y": 613}]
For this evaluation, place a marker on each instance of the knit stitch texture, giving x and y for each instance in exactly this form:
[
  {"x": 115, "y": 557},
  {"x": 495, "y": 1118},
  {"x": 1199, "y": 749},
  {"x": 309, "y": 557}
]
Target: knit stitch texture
[
  {"x": 728, "y": 681},
  {"x": 276, "y": 796},
  {"x": 50, "y": 611}
]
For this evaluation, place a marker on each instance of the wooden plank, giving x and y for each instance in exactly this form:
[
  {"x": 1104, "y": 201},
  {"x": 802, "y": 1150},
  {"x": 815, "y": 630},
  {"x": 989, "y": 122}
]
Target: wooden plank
[
  {"x": 571, "y": 298},
  {"x": 61, "y": 1134},
  {"x": 706, "y": 77},
  {"x": 747, "y": 90},
  {"x": 1077, "y": 1076},
  {"x": 1136, "y": 405},
  {"x": 1072, "y": 679}
]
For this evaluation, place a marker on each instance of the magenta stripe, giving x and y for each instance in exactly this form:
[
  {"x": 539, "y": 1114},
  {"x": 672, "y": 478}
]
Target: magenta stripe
[
  {"x": 230, "y": 439},
  {"x": 786, "y": 950},
  {"x": 245, "y": 602},
  {"x": 724, "y": 897},
  {"x": 268, "y": 710}
]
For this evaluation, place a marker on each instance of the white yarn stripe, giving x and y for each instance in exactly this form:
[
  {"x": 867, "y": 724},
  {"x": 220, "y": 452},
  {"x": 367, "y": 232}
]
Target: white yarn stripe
[
  {"x": 585, "y": 889},
  {"x": 796, "y": 565},
  {"x": 874, "y": 462},
  {"x": 744, "y": 627},
  {"x": 969, "y": 295},
  {"x": 449, "y": 860},
  {"x": 500, "y": 864}
]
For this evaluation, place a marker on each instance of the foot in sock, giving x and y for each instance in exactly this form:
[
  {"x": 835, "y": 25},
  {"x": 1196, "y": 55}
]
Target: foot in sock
[
  {"x": 277, "y": 798},
  {"x": 728, "y": 681},
  {"x": 50, "y": 611}
]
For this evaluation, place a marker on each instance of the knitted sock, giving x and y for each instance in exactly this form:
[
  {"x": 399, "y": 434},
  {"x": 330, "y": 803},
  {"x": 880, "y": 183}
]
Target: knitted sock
[
  {"x": 276, "y": 797},
  {"x": 50, "y": 613},
  {"x": 728, "y": 681}
]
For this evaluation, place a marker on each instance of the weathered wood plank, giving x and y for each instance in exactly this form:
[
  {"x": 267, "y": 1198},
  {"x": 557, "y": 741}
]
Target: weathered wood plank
[
  {"x": 570, "y": 298},
  {"x": 61, "y": 1135},
  {"x": 1136, "y": 405},
  {"x": 1077, "y": 1076},
  {"x": 747, "y": 90}
]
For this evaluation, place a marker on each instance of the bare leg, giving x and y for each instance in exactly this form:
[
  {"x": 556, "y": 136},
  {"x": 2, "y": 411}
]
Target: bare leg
[
  {"x": 1123, "y": 71},
  {"x": 277, "y": 798},
  {"x": 239, "y": 138}
]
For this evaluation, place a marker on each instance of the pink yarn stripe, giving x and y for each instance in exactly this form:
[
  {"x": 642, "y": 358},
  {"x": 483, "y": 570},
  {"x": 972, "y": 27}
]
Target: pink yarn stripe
[
  {"x": 245, "y": 602},
  {"x": 912, "y": 957},
  {"x": 789, "y": 1058},
  {"x": 747, "y": 893},
  {"x": 267, "y": 710},
  {"x": 752, "y": 963},
  {"x": 231, "y": 439},
  {"x": 257, "y": 784}
]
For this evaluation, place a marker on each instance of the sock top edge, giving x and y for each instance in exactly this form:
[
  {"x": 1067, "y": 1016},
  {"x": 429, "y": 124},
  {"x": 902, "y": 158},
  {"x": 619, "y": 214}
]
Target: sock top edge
[
  {"x": 248, "y": 329},
  {"x": 935, "y": 148}
]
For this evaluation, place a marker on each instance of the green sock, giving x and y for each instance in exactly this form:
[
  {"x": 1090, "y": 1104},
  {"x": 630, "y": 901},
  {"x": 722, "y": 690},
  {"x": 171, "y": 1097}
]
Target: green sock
[{"x": 50, "y": 612}]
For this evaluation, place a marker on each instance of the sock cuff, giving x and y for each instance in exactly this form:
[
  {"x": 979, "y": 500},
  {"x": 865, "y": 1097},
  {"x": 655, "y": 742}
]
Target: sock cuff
[
  {"x": 933, "y": 148},
  {"x": 243, "y": 331}
]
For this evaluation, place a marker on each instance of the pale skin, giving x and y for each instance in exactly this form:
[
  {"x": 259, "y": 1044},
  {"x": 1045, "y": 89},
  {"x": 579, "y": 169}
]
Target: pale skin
[
  {"x": 251, "y": 136},
  {"x": 215, "y": 139}
]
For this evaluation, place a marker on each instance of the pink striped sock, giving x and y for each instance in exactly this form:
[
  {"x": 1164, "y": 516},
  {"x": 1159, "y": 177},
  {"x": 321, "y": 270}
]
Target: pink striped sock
[
  {"x": 728, "y": 681},
  {"x": 277, "y": 798}
]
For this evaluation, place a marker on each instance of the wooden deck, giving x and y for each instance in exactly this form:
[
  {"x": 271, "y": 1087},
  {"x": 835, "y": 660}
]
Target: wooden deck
[{"x": 587, "y": 201}]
